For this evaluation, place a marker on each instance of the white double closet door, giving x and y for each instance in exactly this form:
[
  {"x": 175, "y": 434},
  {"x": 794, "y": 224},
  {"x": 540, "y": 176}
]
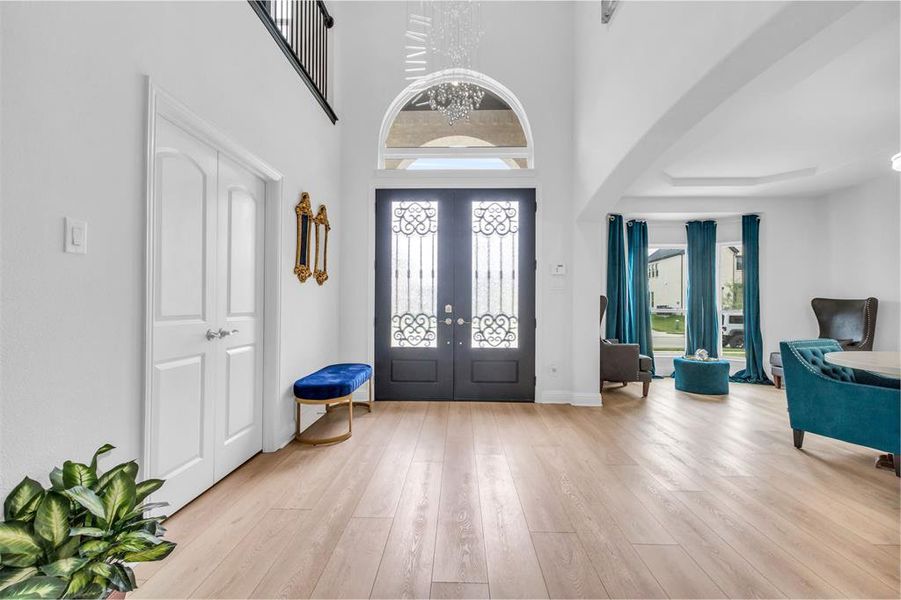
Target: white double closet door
[{"x": 207, "y": 303}]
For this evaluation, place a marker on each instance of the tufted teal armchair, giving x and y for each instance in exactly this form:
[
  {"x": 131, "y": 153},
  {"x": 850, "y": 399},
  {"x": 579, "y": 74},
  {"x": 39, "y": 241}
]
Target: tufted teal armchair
[{"x": 844, "y": 404}]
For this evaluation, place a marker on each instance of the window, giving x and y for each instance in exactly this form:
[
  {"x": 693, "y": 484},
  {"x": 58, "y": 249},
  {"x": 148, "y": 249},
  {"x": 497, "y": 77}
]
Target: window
[
  {"x": 667, "y": 279},
  {"x": 414, "y": 243},
  {"x": 731, "y": 282},
  {"x": 495, "y": 289},
  {"x": 495, "y": 136}
]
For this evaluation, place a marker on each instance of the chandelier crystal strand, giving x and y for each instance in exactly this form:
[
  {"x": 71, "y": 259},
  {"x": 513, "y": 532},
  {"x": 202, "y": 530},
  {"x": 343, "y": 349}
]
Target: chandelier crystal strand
[{"x": 454, "y": 38}]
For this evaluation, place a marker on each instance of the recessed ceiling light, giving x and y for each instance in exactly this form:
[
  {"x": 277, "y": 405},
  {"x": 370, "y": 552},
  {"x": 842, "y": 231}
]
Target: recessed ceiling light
[{"x": 896, "y": 162}]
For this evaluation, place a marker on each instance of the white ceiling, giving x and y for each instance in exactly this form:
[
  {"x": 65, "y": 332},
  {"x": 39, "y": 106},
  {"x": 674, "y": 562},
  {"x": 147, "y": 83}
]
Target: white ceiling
[{"x": 824, "y": 117}]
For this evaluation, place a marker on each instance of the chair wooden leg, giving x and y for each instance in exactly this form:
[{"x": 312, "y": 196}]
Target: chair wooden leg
[
  {"x": 897, "y": 460},
  {"x": 777, "y": 381},
  {"x": 799, "y": 438},
  {"x": 645, "y": 386}
]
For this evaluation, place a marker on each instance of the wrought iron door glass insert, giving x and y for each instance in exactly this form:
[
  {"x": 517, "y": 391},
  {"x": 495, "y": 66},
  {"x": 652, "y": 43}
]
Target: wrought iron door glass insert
[
  {"x": 495, "y": 291},
  {"x": 414, "y": 245}
]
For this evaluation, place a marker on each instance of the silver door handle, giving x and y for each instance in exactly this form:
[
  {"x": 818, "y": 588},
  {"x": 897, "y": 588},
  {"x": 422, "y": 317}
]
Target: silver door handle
[
  {"x": 213, "y": 335},
  {"x": 224, "y": 333},
  {"x": 461, "y": 321},
  {"x": 448, "y": 321}
]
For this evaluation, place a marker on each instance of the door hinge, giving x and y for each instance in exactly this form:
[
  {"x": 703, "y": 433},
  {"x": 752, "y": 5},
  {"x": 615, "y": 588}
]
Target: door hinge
[{"x": 535, "y": 380}]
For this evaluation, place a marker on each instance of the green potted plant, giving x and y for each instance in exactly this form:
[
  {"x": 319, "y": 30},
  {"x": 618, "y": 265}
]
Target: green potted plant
[{"x": 77, "y": 538}]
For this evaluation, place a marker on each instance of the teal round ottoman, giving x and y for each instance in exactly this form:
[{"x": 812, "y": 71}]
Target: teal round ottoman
[{"x": 702, "y": 376}]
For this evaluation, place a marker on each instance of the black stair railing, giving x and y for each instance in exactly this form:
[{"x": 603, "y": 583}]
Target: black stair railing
[{"x": 300, "y": 28}]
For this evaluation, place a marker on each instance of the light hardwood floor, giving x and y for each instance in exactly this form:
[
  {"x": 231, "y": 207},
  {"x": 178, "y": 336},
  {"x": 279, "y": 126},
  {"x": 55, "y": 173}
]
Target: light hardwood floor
[{"x": 678, "y": 496}]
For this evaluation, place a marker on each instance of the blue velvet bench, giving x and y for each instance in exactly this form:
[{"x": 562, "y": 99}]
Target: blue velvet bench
[
  {"x": 702, "y": 376},
  {"x": 332, "y": 386}
]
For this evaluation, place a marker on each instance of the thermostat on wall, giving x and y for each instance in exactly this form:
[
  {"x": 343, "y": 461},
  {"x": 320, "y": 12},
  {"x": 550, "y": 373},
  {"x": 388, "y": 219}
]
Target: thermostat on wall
[{"x": 558, "y": 269}]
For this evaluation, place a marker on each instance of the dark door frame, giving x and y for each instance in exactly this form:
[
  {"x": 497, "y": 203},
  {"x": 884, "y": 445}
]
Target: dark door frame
[{"x": 399, "y": 180}]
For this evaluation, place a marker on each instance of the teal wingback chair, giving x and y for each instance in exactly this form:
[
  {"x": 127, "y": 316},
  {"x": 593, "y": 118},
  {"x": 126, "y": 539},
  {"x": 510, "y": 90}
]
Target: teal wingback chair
[{"x": 844, "y": 404}]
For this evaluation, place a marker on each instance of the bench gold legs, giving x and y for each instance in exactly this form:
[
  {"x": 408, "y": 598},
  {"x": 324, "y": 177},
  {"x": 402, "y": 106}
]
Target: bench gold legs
[{"x": 329, "y": 405}]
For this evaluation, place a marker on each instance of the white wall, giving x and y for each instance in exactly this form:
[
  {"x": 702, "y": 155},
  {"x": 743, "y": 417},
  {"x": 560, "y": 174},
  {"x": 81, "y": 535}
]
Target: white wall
[
  {"x": 73, "y": 122},
  {"x": 527, "y": 47},
  {"x": 864, "y": 224}
]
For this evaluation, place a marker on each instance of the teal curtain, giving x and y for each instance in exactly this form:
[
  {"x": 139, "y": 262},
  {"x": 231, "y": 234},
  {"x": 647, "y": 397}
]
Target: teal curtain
[
  {"x": 702, "y": 328},
  {"x": 617, "y": 287},
  {"x": 750, "y": 250},
  {"x": 638, "y": 323}
]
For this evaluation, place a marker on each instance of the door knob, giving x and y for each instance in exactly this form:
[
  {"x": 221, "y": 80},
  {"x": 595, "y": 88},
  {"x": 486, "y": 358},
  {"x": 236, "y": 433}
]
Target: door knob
[
  {"x": 461, "y": 321},
  {"x": 213, "y": 335},
  {"x": 448, "y": 321},
  {"x": 223, "y": 333}
]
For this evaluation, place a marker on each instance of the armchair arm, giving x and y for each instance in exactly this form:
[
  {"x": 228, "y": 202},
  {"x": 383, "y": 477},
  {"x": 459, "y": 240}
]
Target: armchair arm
[
  {"x": 619, "y": 362},
  {"x": 857, "y": 412}
]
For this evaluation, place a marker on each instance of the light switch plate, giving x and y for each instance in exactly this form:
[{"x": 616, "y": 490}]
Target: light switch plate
[{"x": 76, "y": 236}]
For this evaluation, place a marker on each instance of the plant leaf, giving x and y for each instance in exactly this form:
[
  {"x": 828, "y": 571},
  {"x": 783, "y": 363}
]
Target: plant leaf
[
  {"x": 151, "y": 554},
  {"x": 101, "y": 450},
  {"x": 145, "y": 488},
  {"x": 140, "y": 510},
  {"x": 64, "y": 567},
  {"x": 78, "y": 582},
  {"x": 20, "y": 503},
  {"x": 52, "y": 519},
  {"x": 15, "y": 539},
  {"x": 11, "y": 576},
  {"x": 88, "y": 531},
  {"x": 68, "y": 548},
  {"x": 36, "y": 587},
  {"x": 78, "y": 474},
  {"x": 20, "y": 560},
  {"x": 94, "y": 547},
  {"x": 87, "y": 499},
  {"x": 120, "y": 580},
  {"x": 118, "y": 497},
  {"x": 101, "y": 569},
  {"x": 129, "y": 468},
  {"x": 56, "y": 479}
]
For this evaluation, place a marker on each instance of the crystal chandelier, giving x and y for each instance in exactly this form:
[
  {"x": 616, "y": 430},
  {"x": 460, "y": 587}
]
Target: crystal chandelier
[
  {"x": 455, "y": 99},
  {"x": 451, "y": 33}
]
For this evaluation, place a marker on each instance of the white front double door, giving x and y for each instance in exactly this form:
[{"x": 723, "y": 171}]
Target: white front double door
[{"x": 207, "y": 307}]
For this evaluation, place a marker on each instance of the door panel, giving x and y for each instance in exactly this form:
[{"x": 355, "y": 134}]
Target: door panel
[
  {"x": 179, "y": 401},
  {"x": 242, "y": 280},
  {"x": 240, "y": 393},
  {"x": 414, "y": 277},
  {"x": 182, "y": 370},
  {"x": 494, "y": 352},
  {"x": 455, "y": 284},
  {"x": 239, "y": 400},
  {"x": 182, "y": 248}
]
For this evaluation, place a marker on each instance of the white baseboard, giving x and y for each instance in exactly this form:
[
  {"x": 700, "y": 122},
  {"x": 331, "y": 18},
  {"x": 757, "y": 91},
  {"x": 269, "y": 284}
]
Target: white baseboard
[
  {"x": 586, "y": 399},
  {"x": 554, "y": 397},
  {"x": 565, "y": 397}
]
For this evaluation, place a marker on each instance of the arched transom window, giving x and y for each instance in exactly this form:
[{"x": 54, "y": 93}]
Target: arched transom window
[{"x": 494, "y": 136}]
